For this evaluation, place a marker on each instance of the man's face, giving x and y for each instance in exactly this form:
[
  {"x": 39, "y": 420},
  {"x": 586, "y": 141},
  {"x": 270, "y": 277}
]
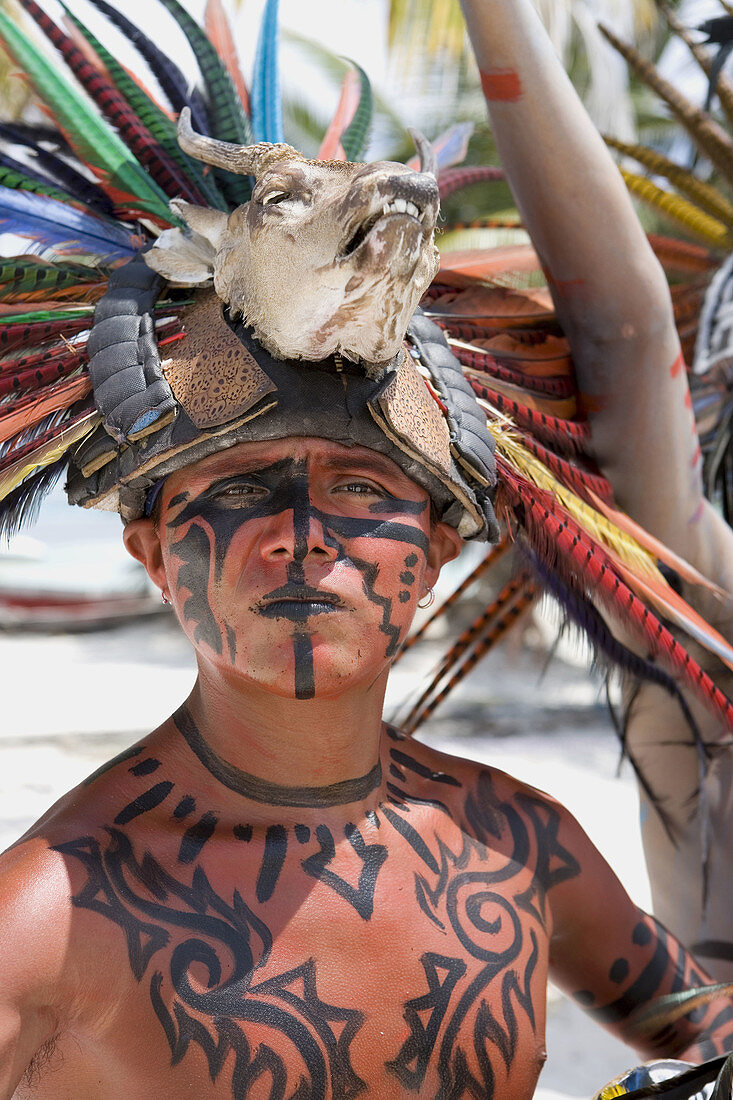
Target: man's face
[{"x": 298, "y": 563}]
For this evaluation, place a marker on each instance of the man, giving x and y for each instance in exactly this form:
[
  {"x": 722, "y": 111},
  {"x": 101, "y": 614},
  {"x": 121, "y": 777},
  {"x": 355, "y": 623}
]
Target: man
[{"x": 274, "y": 894}]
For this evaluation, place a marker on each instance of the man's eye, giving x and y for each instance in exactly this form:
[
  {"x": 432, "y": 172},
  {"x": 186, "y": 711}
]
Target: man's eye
[
  {"x": 360, "y": 488},
  {"x": 275, "y": 197},
  {"x": 244, "y": 493}
]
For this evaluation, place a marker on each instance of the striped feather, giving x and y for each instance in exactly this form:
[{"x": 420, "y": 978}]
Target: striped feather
[
  {"x": 220, "y": 35},
  {"x": 707, "y": 134},
  {"x": 702, "y": 194},
  {"x": 114, "y": 107},
  {"x": 167, "y": 73},
  {"x": 356, "y": 135},
  {"x": 227, "y": 116},
  {"x": 93, "y": 141},
  {"x": 684, "y": 212},
  {"x": 17, "y": 176},
  {"x": 71, "y": 182},
  {"x": 189, "y": 181}
]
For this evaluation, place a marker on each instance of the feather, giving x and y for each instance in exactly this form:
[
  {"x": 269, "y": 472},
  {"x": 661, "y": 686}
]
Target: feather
[
  {"x": 20, "y": 507},
  {"x": 702, "y": 194},
  {"x": 723, "y": 86},
  {"x": 266, "y": 102},
  {"x": 228, "y": 119},
  {"x": 488, "y": 628},
  {"x": 654, "y": 546},
  {"x": 17, "y": 176},
  {"x": 28, "y": 412},
  {"x": 568, "y": 436},
  {"x": 707, "y": 134},
  {"x": 44, "y": 454},
  {"x": 167, "y": 73},
  {"x": 684, "y": 212},
  {"x": 114, "y": 107},
  {"x": 331, "y": 148},
  {"x": 32, "y": 332},
  {"x": 356, "y": 135},
  {"x": 187, "y": 183},
  {"x": 25, "y": 279},
  {"x": 220, "y": 35},
  {"x": 62, "y": 226},
  {"x": 71, "y": 181},
  {"x": 455, "y": 179},
  {"x": 450, "y": 148},
  {"x": 554, "y": 535},
  {"x": 93, "y": 141}
]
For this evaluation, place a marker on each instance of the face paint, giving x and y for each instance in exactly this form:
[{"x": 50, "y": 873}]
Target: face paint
[{"x": 323, "y": 512}]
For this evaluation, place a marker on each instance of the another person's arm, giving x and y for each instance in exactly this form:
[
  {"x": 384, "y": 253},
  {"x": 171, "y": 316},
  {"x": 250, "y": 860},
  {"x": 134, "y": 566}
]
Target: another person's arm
[{"x": 612, "y": 298}]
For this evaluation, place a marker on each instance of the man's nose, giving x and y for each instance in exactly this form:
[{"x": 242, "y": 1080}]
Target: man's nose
[{"x": 296, "y": 534}]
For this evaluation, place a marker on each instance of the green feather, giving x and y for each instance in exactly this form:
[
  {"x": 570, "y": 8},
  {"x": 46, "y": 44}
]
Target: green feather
[
  {"x": 92, "y": 139},
  {"x": 150, "y": 114},
  {"x": 355, "y": 136},
  {"x": 228, "y": 118},
  {"x": 9, "y": 177},
  {"x": 39, "y": 315},
  {"x": 21, "y": 275}
]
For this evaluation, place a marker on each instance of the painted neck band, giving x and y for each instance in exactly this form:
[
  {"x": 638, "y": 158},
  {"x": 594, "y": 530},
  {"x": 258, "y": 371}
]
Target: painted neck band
[{"x": 273, "y": 794}]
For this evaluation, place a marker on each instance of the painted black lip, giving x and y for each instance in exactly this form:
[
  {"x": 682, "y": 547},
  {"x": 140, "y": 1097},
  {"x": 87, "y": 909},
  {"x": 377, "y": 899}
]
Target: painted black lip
[
  {"x": 296, "y": 610},
  {"x": 298, "y": 602}
]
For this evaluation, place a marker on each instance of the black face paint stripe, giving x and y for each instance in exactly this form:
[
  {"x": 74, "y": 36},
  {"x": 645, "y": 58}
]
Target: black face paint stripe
[
  {"x": 303, "y": 656},
  {"x": 273, "y": 794}
]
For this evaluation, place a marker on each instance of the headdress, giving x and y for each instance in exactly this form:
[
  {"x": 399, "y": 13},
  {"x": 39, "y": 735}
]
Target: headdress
[{"x": 141, "y": 336}]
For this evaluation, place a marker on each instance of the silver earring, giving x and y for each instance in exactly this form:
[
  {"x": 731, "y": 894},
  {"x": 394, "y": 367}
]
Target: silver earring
[
  {"x": 164, "y": 598},
  {"x": 430, "y": 600}
]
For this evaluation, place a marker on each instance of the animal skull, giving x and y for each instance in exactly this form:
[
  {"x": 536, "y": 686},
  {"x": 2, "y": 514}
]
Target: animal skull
[{"x": 327, "y": 257}]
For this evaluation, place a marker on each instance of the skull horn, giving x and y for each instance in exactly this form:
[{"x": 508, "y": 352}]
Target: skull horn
[
  {"x": 428, "y": 160},
  {"x": 244, "y": 160}
]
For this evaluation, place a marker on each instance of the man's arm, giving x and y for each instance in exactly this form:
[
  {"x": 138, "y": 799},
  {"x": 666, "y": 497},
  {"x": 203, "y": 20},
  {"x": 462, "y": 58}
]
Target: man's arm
[
  {"x": 614, "y": 959},
  {"x": 33, "y": 893}
]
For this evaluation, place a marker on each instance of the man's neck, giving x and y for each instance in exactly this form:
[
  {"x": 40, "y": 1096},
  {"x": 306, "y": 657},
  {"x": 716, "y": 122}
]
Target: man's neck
[{"x": 283, "y": 752}]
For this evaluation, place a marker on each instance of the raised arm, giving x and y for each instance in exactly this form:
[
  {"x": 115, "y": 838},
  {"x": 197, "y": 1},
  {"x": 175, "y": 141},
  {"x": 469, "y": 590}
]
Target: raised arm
[
  {"x": 609, "y": 290},
  {"x": 612, "y": 298}
]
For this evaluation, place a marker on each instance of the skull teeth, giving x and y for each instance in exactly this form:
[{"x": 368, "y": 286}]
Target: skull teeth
[{"x": 402, "y": 206}]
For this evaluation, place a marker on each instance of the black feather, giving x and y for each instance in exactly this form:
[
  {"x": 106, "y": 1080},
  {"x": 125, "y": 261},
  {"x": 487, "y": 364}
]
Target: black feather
[
  {"x": 169, "y": 76},
  {"x": 21, "y": 506},
  {"x": 68, "y": 178}
]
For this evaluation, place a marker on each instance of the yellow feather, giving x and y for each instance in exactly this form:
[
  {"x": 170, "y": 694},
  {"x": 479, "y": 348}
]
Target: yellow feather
[
  {"x": 46, "y": 454},
  {"x": 708, "y": 229}
]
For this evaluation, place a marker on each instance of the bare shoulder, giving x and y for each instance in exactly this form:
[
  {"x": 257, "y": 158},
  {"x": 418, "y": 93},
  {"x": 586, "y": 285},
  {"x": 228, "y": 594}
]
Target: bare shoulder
[{"x": 487, "y": 794}]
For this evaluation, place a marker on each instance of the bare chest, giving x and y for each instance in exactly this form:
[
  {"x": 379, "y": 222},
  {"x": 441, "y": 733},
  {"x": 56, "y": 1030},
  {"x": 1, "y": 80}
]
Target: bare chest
[{"x": 399, "y": 957}]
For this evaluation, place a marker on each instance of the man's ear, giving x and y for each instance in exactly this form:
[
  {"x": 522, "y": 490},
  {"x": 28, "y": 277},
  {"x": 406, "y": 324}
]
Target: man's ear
[
  {"x": 445, "y": 545},
  {"x": 142, "y": 542}
]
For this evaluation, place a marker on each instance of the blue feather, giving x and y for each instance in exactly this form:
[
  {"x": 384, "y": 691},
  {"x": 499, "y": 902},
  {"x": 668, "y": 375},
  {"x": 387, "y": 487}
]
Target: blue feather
[
  {"x": 53, "y": 223},
  {"x": 267, "y": 121}
]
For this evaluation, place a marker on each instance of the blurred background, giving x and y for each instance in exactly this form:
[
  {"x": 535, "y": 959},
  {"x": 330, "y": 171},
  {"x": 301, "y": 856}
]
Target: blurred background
[{"x": 91, "y": 660}]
